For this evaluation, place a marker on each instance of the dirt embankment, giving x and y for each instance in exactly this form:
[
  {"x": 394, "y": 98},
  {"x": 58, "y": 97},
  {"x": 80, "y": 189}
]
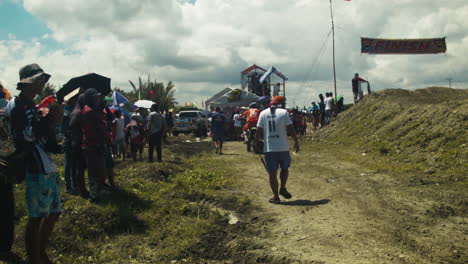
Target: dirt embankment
[{"x": 424, "y": 131}]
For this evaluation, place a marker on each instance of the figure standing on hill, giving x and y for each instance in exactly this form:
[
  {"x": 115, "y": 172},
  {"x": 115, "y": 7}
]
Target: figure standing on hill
[
  {"x": 217, "y": 128},
  {"x": 357, "y": 89},
  {"x": 156, "y": 126},
  {"x": 328, "y": 107},
  {"x": 315, "y": 111},
  {"x": 273, "y": 125},
  {"x": 321, "y": 105},
  {"x": 32, "y": 137}
]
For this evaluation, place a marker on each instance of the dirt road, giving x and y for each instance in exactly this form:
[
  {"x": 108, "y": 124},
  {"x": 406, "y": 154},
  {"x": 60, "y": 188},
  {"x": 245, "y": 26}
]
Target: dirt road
[{"x": 342, "y": 212}]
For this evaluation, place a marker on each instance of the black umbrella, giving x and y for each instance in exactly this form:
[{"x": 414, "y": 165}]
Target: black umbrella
[{"x": 90, "y": 80}]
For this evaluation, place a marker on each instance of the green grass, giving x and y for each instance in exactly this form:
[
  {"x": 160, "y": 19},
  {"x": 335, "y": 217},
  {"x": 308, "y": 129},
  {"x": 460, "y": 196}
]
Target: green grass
[
  {"x": 414, "y": 132},
  {"x": 158, "y": 214}
]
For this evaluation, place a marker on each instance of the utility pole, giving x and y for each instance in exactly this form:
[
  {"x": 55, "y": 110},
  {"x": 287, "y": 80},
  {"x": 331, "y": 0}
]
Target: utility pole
[
  {"x": 333, "y": 37},
  {"x": 450, "y": 82}
]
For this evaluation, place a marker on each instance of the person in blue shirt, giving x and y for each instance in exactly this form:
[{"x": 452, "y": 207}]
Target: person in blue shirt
[{"x": 217, "y": 130}]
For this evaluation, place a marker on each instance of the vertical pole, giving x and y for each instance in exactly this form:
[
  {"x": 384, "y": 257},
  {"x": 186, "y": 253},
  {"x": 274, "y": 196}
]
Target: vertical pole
[
  {"x": 284, "y": 88},
  {"x": 450, "y": 82},
  {"x": 333, "y": 37}
]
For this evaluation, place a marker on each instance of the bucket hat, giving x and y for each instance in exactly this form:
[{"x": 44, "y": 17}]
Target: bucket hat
[{"x": 30, "y": 74}]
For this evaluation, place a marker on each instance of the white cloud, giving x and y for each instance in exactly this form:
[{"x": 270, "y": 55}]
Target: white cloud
[{"x": 203, "y": 46}]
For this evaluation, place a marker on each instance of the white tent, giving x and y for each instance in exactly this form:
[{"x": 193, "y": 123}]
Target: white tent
[{"x": 221, "y": 99}]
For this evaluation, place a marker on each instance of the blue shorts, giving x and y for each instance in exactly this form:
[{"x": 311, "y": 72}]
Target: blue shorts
[
  {"x": 42, "y": 194},
  {"x": 280, "y": 159},
  {"x": 218, "y": 137}
]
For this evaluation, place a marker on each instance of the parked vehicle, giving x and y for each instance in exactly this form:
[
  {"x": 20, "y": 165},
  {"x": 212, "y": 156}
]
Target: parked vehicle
[{"x": 191, "y": 122}]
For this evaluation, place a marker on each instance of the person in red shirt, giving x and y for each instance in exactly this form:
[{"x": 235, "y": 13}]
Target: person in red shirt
[
  {"x": 94, "y": 139},
  {"x": 252, "y": 115}
]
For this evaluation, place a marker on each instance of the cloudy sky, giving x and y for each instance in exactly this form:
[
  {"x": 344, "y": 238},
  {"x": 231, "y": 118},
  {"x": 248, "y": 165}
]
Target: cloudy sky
[{"x": 203, "y": 45}]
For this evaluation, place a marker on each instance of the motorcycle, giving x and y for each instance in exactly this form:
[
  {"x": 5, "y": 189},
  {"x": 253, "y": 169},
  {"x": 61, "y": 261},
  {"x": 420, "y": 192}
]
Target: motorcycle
[{"x": 251, "y": 143}]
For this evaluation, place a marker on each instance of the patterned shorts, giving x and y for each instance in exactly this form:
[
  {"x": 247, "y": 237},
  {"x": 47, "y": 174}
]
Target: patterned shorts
[{"x": 43, "y": 194}]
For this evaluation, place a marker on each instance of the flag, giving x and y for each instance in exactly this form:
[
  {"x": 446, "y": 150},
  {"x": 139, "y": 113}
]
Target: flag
[{"x": 118, "y": 98}]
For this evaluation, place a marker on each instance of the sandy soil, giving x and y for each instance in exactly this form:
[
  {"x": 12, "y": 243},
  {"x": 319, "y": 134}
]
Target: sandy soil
[{"x": 342, "y": 212}]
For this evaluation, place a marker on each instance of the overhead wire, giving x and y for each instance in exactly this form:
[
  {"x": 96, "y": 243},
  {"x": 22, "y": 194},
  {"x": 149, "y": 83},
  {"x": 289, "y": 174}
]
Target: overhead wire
[{"x": 314, "y": 65}]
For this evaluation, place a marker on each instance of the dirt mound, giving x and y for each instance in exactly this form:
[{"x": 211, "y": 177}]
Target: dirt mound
[{"x": 424, "y": 130}]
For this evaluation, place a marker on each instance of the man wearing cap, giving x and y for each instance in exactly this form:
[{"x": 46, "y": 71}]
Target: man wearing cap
[
  {"x": 94, "y": 137},
  {"x": 273, "y": 125},
  {"x": 32, "y": 137}
]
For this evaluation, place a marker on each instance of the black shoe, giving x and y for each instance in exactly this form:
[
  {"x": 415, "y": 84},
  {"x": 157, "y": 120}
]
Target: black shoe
[{"x": 285, "y": 193}]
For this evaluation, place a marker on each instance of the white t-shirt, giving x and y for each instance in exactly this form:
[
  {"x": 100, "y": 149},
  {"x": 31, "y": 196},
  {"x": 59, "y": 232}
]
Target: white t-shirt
[
  {"x": 274, "y": 125},
  {"x": 237, "y": 122},
  {"x": 329, "y": 103}
]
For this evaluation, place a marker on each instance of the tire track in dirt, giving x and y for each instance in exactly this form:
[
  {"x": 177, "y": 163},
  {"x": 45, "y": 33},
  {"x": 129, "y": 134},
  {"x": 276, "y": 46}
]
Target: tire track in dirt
[{"x": 340, "y": 212}]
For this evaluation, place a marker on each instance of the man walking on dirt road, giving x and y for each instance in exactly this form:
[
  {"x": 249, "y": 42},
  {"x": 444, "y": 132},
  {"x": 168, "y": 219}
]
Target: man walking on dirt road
[
  {"x": 274, "y": 124},
  {"x": 217, "y": 129}
]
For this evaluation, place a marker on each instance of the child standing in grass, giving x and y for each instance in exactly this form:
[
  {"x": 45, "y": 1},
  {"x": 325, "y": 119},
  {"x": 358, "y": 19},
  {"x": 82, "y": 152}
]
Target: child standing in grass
[{"x": 135, "y": 137}]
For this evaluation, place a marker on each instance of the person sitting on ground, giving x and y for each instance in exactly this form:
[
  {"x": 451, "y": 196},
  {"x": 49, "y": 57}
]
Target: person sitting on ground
[
  {"x": 357, "y": 89},
  {"x": 273, "y": 125},
  {"x": 217, "y": 128},
  {"x": 156, "y": 126},
  {"x": 135, "y": 134},
  {"x": 252, "y": 117},
  {"x": 31, "y": 134}
]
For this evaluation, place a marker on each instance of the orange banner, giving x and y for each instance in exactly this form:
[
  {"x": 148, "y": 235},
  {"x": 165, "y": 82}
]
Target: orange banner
[{"x": 403, "y": 46}]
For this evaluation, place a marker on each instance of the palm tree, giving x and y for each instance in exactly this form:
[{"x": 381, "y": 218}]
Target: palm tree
[{"x": 155, "y": 91}]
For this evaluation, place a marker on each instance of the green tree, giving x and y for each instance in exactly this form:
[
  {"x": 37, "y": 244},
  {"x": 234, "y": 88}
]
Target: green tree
[{"x": 163, "y": 95}]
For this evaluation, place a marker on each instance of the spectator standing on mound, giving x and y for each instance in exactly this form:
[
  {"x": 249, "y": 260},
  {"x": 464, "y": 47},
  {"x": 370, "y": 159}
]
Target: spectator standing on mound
[
  {"x": 273, "y": 125},
  {"x": 328, "y": 108},
  {"x": 321, "y": 105},
  {"x": 357, "y": 88},
  {"x": 217, "y": 128},
  {"x": 315, "y": 111},
  {"x": 32, "y": 137},
  {"x": 156, "y": 126}
]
